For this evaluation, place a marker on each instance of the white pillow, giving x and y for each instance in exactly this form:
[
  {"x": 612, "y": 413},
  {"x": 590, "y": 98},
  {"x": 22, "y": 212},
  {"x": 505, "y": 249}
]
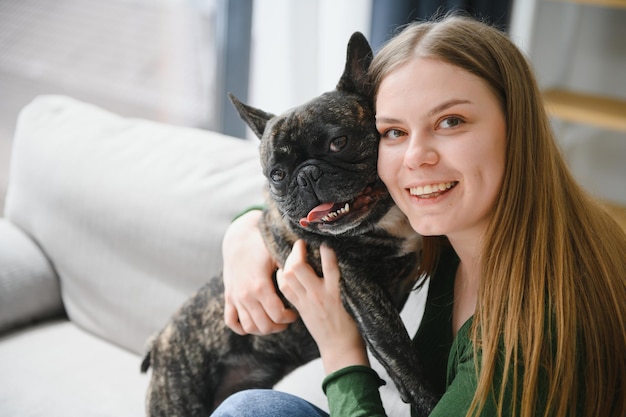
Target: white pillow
[
  {"x": 29, "y": 288},
  {"x": 130, "y": 212}
]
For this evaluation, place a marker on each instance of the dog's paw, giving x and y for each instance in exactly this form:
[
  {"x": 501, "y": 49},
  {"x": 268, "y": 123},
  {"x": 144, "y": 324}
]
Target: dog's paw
[{"x": 420, "y": 398}]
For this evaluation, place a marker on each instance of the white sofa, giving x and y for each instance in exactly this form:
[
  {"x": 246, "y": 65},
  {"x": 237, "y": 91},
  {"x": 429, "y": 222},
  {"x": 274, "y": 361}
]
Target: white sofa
[{"x": 109, "y": 225}]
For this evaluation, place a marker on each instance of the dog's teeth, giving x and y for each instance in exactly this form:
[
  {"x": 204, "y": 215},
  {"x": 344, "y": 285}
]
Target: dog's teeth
[{"x": 345, "y": 209}]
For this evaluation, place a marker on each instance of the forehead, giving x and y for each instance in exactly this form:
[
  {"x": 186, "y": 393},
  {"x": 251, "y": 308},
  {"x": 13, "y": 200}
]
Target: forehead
[{"x": 430, "y": 80}]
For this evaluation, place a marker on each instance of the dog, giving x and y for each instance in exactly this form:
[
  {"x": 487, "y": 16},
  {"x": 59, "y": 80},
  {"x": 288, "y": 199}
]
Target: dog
[{"x": 320, "y": 161}]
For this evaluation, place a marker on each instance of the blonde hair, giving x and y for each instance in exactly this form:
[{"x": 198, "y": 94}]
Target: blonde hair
[{"x": 552, "y": 298}]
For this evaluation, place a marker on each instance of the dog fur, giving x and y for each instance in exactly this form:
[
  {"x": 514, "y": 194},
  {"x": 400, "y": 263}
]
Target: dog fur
[{"x": 317, "y": 157}]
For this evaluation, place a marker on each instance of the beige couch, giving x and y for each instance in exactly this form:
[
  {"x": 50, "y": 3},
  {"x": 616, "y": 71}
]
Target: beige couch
[{"x": 109, "y": 225}]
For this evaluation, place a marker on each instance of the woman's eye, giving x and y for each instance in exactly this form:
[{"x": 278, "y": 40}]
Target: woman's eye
[
  {"x": 339, "y": 143},
  {"x": 392, "y": 133},
  {"x": 450, "y": 122}
]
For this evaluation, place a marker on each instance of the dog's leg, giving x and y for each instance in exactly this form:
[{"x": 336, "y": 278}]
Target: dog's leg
[
  {"x": 262, "y": 361},
  {"x": 197, "y": 361},
  {"x": 387, "y": 339}
]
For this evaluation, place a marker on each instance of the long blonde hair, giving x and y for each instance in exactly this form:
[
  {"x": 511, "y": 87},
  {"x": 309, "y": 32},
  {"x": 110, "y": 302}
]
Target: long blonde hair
[{"x": 552, "y": 298}]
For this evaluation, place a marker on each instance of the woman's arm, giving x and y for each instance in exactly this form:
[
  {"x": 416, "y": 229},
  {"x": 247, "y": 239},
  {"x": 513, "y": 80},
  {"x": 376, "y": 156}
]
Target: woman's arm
[
  {"x": 252, "y": 305},
  {"x": 351, "y": 385},
  {"x": 319, "y": 304}
]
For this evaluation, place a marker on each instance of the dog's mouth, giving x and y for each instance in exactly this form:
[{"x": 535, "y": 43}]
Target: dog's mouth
[{"x": 332, "y": 212}]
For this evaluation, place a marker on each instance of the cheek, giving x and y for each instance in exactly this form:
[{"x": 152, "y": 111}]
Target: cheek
[
  {"x": 491, "y": 177},
  {"x": 385, "y": 166}
]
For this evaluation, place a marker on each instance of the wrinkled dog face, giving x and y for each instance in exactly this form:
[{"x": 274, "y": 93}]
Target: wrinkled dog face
[
  {"x": 321, "y": 165},
  {"x": 320, "y": 158}
]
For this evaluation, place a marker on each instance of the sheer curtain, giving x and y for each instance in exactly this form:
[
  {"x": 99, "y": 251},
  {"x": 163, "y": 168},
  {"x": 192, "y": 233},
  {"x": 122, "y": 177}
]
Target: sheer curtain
[{"x": 298, "y": 48}]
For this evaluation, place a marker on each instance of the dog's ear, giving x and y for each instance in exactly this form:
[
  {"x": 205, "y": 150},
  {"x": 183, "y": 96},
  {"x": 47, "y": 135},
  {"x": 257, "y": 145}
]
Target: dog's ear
[
  {"x": 359, "y": 57},
  {"x": 255, "y": 118}
]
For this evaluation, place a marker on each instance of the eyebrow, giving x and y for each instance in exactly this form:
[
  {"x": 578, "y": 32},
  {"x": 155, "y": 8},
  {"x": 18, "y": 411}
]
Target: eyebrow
[
  {"x": 443, "y": 106},
  {"x": 446, "y": 105},
  {"x": 387, "y": 120}
]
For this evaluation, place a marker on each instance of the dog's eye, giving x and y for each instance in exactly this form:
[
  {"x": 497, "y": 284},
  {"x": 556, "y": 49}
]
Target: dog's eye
[
  {"x": 277, "y": 175},
  {"x": 339, "y": 143}
]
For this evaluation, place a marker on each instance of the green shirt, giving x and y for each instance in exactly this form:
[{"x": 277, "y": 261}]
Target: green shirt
[
  {"x": 450, "y": 366},
  {"x": 448, "y": 363}
]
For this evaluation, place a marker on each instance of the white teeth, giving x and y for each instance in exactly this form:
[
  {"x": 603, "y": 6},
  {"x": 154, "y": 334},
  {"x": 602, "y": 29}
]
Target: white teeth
[
  {"x": 432, "y": 188},
  {"x": 345, "y": 209}
]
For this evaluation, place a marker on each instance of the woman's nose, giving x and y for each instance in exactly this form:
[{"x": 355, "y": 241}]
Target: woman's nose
[{"x": 421, "y": 152}]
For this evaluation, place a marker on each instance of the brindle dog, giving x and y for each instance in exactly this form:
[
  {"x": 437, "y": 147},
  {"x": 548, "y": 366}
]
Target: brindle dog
[{"x": 322, "y": 186}]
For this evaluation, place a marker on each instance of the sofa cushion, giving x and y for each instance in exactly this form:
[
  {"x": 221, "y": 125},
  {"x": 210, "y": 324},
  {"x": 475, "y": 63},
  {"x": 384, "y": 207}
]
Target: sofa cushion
[
  {"x": 57, "y": 370},
  {"x": 29, "y": 288},
  {"x": 130, "y": 212}
]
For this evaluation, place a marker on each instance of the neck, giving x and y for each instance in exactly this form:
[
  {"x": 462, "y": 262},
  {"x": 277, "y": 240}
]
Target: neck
[
  {"x": 466, "y": 281},
  {"x": 468, "y": 251}
]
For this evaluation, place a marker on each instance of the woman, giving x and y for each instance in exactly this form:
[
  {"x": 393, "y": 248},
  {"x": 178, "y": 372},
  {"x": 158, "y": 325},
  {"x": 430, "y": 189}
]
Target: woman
[{"x": 528, "y": 273}]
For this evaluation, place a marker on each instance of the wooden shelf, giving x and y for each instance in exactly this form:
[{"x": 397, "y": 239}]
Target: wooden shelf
[
  {"x": 602, "y": 111},
  {"x": 617, "y": 211},
  {"x": 604, "y": 3},
  {"x": 592, "y": 109}
]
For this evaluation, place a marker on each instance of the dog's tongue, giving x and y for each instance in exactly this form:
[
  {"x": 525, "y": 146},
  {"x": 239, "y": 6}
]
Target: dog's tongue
[{"x": 316, "y": 214}]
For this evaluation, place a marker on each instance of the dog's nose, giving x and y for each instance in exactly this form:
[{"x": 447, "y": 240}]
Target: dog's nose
[{"x": 308, "y": 175}]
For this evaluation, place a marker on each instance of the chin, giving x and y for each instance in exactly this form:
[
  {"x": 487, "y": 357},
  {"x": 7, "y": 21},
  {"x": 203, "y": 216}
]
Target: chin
[{"x": 425, "y": 228}]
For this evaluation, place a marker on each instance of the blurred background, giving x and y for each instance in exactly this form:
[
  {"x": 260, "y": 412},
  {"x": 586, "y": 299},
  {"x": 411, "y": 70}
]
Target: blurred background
[{"x": 174, "y": 60}]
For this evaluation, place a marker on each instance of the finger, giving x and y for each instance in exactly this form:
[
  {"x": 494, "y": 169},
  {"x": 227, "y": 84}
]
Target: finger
[
  {"x": 269, "y": 313},
  {"x": 299, "y": 265},
  {"x": 232, "y": 319},
  {"x": 291, "y": 277},
  {"x": 259, "y": 322},
  {"x": 297, "y": 255},
  {"x": 330, "y": 267},
  {"x": 278, "y": 312},
  {"x": 290, "y": 286},
  {"x": 246, "y": 321},
  {"x": 238, "y": 318}
]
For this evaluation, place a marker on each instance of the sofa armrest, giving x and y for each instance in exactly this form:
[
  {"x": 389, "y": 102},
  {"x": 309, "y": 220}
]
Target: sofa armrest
[{"x": 29, "y": 287}]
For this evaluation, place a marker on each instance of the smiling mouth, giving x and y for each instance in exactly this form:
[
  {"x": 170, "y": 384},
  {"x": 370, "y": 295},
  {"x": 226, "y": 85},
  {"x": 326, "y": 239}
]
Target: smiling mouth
[
  {"x": 332, "y": 212},
  {"x": 432, "y": 190}
]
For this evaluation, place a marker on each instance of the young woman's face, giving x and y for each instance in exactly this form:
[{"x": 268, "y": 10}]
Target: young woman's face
[{"x": 442, "y": 146}]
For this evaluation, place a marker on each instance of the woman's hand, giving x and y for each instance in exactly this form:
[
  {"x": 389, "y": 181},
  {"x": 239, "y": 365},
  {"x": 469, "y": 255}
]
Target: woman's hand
[
  {"x": 252, "y": 304},
  {"x": 319, "y": 303}
]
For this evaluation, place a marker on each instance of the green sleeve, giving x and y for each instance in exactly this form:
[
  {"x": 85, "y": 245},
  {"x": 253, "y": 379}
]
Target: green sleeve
[
  {"x": 252, "y": 208},
  {"x": 353, "y": 392}
]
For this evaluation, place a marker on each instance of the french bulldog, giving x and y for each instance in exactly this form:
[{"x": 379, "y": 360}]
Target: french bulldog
[{"x": 322, "y": 186}]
